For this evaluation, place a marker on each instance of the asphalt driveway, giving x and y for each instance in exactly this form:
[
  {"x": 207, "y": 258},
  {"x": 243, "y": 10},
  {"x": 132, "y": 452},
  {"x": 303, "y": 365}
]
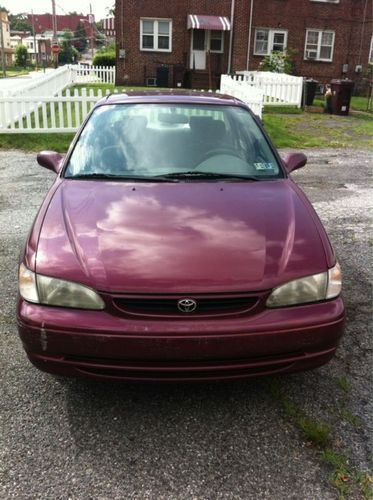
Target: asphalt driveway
[{"x": 242, "y": 440}]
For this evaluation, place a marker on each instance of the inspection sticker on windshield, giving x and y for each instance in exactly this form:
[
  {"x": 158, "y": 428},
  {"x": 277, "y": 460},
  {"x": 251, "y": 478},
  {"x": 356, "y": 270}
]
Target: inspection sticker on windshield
[{"x": 263, "y": 166}]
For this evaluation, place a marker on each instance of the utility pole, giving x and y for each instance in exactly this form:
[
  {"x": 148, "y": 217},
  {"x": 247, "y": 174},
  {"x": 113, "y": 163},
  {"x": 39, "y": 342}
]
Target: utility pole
[
  {"x": 33, "y": 32},
  {"x": 249, "y": 38},
  {"x": 54, "y": 21},
  {"x": 54, "y": 26},
  {"x": 91, "y": 25},
  {"x": 230, "y": 53},
  {"x": 2, "y": 44}
]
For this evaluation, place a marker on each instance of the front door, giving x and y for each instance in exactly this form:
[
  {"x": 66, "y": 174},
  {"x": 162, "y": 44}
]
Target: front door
[{"x": 199, "y": 49}]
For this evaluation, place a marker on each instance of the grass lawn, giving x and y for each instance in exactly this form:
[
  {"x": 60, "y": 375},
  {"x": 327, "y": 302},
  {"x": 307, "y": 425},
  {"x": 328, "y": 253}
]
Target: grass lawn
[
  {"x": 36, "y": 142},
  {"x": 357, "y": 103},
  {"x": 288, "y": 127},
  {"x": 361, "y": 104},
  {"x": 15, "y": 72},
  {"x": 105, "y": 86},
  {"x": 309, "y": 130}
]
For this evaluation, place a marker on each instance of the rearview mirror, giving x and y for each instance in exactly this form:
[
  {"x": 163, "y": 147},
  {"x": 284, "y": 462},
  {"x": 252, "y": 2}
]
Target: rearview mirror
[
  {"x": 293, "y": 161},
  {"x": 50, "y": 160},
  {"x": 173, "y": 118}
]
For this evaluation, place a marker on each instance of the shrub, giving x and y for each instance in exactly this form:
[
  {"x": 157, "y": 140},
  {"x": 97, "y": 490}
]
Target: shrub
[
  {"x": 67, "y": 54},
  {"x": 277, "y": 62},
  {"x": 21, "y": 56},
  {"x": 104, "y": 59}
]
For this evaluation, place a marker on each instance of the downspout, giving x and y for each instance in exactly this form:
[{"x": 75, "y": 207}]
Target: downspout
[
  {"x": 362, "y": 31},
  {"x": 119, "y": 15},
  {"x": 231, "y": 38},
  {"x": 121, "y": 25},
  {"x": 249, "y": 40}
]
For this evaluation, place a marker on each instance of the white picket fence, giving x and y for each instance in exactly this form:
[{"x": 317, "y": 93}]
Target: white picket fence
[
  {"x": 42, "y": 104},
  {"x": 92, "y": 74},
  {"x": 60, "y": 113},
  {"x": 18, "y": 104},
  {"x": 53, "y": 82},
  {"x": 237, "y": 87},
  {"x": 278, "y": 89},
  {"x": 43, "y": 84}
]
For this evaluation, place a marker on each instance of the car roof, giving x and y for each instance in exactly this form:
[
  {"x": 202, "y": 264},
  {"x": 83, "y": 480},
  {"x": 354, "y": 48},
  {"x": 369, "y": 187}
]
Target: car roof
[{"x": 179, "y": 97}]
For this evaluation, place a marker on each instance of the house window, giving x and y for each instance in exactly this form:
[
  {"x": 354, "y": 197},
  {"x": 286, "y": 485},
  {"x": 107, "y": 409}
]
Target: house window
[
  {"x": 208, "y": 40},
  {"x": 319, "y": 45},
  {"x": 155, "y": 35},
  {"x": 199, "y": 39},
  {"x": 216, "y": 41},
  {"x": 269, "y": 40}
]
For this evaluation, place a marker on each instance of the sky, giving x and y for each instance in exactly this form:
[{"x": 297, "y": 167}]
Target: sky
[{"x": 62, "y": 6}]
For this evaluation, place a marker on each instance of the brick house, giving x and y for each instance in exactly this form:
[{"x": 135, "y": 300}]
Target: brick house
[
  {"x": 44, "y": 22},
  {"x": 192, "y": 42}
]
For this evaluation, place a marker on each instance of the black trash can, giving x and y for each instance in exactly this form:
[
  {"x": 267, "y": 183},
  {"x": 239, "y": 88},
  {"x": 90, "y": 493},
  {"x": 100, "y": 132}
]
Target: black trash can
[
  {"x": 310, "y": 91},
  {"x": 162, "y": 76},
  {"x": 341, "y": 96},
  {"x": 179, "y": 75}
]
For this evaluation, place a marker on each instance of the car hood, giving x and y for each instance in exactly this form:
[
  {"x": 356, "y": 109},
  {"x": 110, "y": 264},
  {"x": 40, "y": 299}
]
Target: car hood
[{"x": 179, "y": 237}]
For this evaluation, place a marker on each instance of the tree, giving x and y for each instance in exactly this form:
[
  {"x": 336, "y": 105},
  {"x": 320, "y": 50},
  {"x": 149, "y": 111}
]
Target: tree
[
  {"x": 18, "y": 22},
  {"x": 67, "y": 54},
  {"x": 111, "y": 11},
  {"x": 100, "y": 39},
  {"x": 21, "y": 56},
  {"x": 80, "y": 38}
]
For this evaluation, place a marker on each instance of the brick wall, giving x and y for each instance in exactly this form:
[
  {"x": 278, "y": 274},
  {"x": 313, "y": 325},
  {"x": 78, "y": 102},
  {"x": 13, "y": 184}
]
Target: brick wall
[
  {"x": 140, "y": 64},
  {"x": 295, "y": 16}
]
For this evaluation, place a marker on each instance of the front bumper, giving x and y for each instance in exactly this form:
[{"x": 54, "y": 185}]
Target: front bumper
[{"x": 96, "y": 344}]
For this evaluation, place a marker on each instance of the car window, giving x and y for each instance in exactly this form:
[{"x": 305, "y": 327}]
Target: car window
[{"x": 159, "y": 139}]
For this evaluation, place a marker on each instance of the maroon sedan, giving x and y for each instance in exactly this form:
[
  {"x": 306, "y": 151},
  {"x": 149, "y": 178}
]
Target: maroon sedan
[{"x": 174, "y": 246}]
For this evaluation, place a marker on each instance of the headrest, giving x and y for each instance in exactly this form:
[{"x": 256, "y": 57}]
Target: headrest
[{"x": 207, "y": 127}]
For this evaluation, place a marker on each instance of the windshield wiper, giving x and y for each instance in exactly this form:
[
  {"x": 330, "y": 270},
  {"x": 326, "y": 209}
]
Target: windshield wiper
[
  {"x": 142, "y": 178},
  {"x": 209, "y": 175}
]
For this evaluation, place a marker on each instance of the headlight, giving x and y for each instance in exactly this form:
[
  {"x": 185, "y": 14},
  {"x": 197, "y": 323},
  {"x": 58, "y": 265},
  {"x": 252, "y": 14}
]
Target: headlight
[
  {"x": 309, "y": 289},
  {"x": 56, "y": 292}
]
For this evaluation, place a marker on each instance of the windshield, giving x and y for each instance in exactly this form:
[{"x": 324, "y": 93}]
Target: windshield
[{"x": 150, "y": 140}]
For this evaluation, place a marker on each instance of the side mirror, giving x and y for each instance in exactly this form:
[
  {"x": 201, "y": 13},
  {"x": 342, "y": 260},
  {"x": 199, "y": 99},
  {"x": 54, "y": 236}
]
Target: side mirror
[
  {"x": 292, "y": 161},
  {"x": 50, "y": 160}
]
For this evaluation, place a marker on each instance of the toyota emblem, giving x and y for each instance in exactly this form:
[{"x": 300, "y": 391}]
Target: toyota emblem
[{"x": 187, "y": 305}]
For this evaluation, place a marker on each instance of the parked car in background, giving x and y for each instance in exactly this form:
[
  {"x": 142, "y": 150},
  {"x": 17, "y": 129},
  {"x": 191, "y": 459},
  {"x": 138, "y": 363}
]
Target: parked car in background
[{"x": 173, "y": 245}]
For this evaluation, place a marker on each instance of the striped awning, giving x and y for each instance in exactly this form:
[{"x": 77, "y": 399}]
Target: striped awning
[{"x": 218, "y": 23}]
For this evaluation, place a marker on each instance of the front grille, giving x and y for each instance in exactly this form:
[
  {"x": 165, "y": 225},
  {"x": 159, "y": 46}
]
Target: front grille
[
  {"x": 184, "y": 369},
  {"x": 168, "y": 306}
]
